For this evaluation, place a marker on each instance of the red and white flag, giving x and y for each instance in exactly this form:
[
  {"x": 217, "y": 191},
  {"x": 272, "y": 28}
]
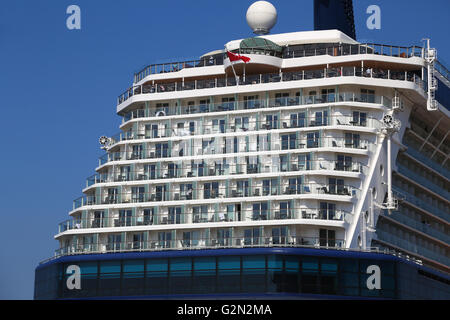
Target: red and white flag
[{"x": 236, "y": 57}]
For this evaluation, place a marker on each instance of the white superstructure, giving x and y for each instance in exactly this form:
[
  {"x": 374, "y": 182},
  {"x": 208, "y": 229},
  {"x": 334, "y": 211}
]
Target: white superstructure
[{"x": 295, "y": 153}]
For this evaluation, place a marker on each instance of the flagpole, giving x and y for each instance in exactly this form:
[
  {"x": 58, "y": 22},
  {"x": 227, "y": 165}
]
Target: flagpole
[
  {"x": 235, "y": 75},
  {"x": 234, "y": 71}
]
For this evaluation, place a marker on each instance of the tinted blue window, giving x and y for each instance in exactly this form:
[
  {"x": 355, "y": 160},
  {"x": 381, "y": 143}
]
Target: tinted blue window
[
  {"x": 310, "y": 265},
  {"x": 349, "y": 265},
  {"x": 229, "y": 263},
  {"x": 133, "y": 266},
  {"x": 387, "y": 267},
  {"x": 275, "y": 262},
  {"x": 205, "y": 263},
  {"x": 254, "y": 262},
  {"x": 157, "y": 265},
  {"x": 349, "y": 279},
  {"x": 292, "y": 263},
  {"x": 387, "y": 283},
  {"x": 88, "y": 267},
  {"x": 329, "y": 266},
  {"x": 110, "y": 267},
  {"x": 50, "y": 281},
  {"x": 181, "y": 264}
]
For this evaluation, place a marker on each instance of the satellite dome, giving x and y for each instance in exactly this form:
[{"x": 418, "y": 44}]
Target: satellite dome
[{"x": 261, "y": 17}]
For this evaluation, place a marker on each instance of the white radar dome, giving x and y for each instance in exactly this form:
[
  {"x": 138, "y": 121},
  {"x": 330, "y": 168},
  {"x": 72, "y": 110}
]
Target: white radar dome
[{"x": 261, "y": 17}]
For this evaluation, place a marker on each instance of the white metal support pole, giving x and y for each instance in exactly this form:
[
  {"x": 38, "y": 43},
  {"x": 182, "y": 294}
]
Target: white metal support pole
[
  {"x": 363, "y": 231},
  {"x": 372, "y": 214},
  {"x": 389, "y": 170}
]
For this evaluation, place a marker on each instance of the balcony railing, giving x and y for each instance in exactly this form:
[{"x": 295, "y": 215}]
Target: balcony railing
[
  {"x": 411, "y": 198},
  {"x": 271, "y": 78},
  {"x": 251, "y": 126},
  {"x": 424, "y": 158},
  {"x": 418, "y": 178},
  {"x": 216, "y": 193},
  {"x": 354, "y": 49},
  {"x": 334, "y": 50},
  {"x": 201, "y": 243},
  {"x": 413, "y": 247},
  {"x": 216, "y": 170},
  {"x": 420, "y": 226},
  {"x": 176, "y": 66},
  {"x": 195, "y": 150},
  {"x": 206, "y": 217},
  {"x": 257, "y": 104}
]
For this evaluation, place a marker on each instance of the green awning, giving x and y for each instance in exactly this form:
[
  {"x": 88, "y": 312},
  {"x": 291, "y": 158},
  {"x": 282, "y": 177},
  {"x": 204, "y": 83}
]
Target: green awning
[{"x": 260, "y": 43}]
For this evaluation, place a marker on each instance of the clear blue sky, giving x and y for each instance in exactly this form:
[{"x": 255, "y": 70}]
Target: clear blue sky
[{"x": 59, "y": 89}]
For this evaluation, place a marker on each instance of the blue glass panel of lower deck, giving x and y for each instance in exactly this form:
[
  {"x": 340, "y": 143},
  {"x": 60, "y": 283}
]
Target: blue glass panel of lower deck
[{"x": 331, "y": 273}]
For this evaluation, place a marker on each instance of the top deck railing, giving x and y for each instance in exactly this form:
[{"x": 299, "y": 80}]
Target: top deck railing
[
  {"x": 334, "y": 50},
  {"x": 296, "y": 242},
  {"x": 354, "y": 49},
  {"x": 175, "y": 67}
]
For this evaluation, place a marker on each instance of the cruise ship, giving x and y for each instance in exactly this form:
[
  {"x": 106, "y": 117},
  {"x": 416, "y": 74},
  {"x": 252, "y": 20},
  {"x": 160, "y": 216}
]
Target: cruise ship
[{"x": 282, "y": 166}]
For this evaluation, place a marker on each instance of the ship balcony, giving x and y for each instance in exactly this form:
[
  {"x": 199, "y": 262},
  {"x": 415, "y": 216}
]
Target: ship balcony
[
  {"x": 150, "y": 218},
  {"x": 351, "y": 143},
  {"x": 201, "y": 243},
  {"x": 424, "y": 159},
  {"x": 356, "y": 49},
  {"x": 411, "y": 247},
  {"x": 416, "y": 201},
  {"x": 175, "y": 67},
  {"x": 283, "y": 102},
  {"x": 286, "y": 120},
  {"x": 212, "y": 191},
  {"x": 325, "y": 73},
  {"x": 266, "y": 62},
  {"x": 434, "y": 155},
  {"x": 441, "y": 189},
  {"x": 213, "y": 170},
  {"x": 419, "y": 226},
  {"x": 333, "y": 50}
]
